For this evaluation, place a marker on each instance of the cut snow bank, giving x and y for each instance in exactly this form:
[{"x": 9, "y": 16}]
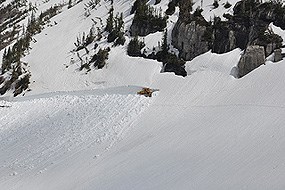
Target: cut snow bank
[{"x": 222, "y": 63}]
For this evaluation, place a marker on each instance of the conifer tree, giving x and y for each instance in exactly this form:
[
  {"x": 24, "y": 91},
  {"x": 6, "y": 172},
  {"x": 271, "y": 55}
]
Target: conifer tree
[
  {"x": 134, "y": 47},
  {"x": 110, "y": 20},
  {"x": 117, "y": 33},
  {"x": 165, "y": 46},
  {"x": 4, "y": 59},
  {"x": 69, "y": 4},
  {"x": 185, "y": 7},
  {"x": 147, "y": 19}
]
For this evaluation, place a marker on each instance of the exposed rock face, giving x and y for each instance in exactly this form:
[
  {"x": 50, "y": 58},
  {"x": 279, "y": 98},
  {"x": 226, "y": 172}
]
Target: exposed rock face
[
  {"x": 143, "y": 28},
  {"x": 253, "y": 57},
  {"x": 224, "y": 41},
  {"x": 185, "y": 7},
  {"x": 188, "y": 39},
  {"x": 247, "y": 26},
  {"x": 269, "y": 41},
  {"x": 270, "y": 48},
  {"x": 277, "y": 55}
]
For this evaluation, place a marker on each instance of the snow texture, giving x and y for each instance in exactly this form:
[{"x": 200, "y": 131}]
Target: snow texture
[{"x": 90, "y": 131}]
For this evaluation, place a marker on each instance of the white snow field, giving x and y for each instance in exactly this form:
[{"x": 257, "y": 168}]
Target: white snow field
[
  {"x": 78, "y": 131},
  {"x": 206, "y": 131},
  {"x": 42, "y": 133}
]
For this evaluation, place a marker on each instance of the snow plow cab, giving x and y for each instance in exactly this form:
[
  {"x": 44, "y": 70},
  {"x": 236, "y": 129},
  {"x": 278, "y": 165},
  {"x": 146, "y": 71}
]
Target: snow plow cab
[{"x": 147, "y": 92}]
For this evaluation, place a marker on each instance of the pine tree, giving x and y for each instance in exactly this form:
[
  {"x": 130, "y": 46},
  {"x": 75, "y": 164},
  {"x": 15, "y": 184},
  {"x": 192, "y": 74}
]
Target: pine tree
[
  {"x": 147, "y": 19},
  {"x": 116, "y": 35},
  {"x": 134, "y": 47},
  {"x": 120, "y": 23},
  {"x": 165, "y": 46},
  {"x": 185, "y": 7},
  {"x": 110, "y": 20},
  {"x": 69, "y": 4},
  {"x": 4, "y": 60}
]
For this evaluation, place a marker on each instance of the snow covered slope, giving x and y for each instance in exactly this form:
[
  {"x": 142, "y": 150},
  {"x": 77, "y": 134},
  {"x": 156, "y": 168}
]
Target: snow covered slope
[
  {"x": 208, "y": 130},
  {"x": 41, "y": 133}
]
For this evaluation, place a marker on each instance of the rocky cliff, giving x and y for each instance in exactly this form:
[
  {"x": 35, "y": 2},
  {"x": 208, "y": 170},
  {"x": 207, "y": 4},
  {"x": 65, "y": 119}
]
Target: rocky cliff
[
  {"x": 252, "y": 58},
  {"x": 247, "y": 28},
  {"x": 188, "y": 38}
]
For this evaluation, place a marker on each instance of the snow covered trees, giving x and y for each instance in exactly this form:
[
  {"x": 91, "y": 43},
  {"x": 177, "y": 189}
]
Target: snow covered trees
[
  {"x": 13, "y": 69},
  {"x": 110, "y": 20},
  {"x": 147, "y": 19},
  {"x": 100, "y": 58},
  {"x": 116, "y": 35},
  {"x": 84, "y": 41},
  {"x": 134, "y": 47},
  {"x": 115, "y": 27}
]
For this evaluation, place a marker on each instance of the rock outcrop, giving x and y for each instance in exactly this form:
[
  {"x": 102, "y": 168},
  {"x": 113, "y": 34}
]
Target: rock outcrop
[
  {"x": 192, "y": 35},
  {"x": 277, "y": 55},
  {"x": 253, "y": 57},
  {"x": 224, "y": 40},
  {"x": 248, "y": 26},
  {"x": 143, "y": 28},
  {"x": 270, "y": 48},
  {"x": 269, "y": 41},
  {"x": 188, "y": 39}
]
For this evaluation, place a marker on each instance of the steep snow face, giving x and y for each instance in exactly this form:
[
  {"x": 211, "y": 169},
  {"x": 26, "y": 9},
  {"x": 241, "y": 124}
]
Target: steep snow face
[
  {"x": 222, "y": 63},
  {"x": 50, "y": 60}
]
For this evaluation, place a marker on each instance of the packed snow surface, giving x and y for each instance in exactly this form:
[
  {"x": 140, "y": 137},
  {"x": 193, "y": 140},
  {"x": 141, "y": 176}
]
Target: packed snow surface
[
  {"x": 78, "y": 130},
  {"x": 41, "y": 133}
]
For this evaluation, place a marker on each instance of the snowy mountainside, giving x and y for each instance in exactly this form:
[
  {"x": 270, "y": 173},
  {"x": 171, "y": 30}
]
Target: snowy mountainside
[
  {"x": 62, "y": 33},
  {"x": 208, "y": 130},
  {"x": 89, "y": 129}
]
